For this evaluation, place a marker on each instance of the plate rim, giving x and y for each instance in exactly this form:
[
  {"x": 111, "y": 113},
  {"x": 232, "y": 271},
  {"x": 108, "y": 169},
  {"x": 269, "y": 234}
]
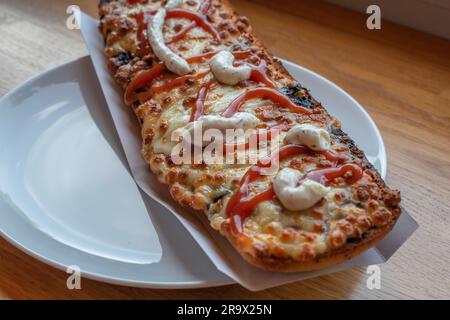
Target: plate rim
[{"x": 43, "y": 257}]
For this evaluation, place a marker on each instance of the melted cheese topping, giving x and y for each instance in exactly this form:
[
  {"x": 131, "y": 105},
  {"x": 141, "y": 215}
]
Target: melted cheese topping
[
  {"x": 173, "y": 62},
  {"x": 315, "y": 138},
  {"x": 224, "y": 71},
  {"x": 296, "y": 197},
  {"x": 221, "y": 97}
]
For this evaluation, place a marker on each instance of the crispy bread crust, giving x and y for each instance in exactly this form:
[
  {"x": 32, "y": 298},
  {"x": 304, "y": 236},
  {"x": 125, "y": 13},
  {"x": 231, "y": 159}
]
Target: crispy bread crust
[{"x": 331, "y": 258}]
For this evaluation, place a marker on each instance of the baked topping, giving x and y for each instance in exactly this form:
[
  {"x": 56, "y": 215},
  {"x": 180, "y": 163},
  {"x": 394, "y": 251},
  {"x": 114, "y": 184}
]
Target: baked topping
[
  {"x": 313, "y": 137},
  {"x": 171, "y": 4},
  {"x": 296, "y": 193},
  {"x": 224, "y": 71}
]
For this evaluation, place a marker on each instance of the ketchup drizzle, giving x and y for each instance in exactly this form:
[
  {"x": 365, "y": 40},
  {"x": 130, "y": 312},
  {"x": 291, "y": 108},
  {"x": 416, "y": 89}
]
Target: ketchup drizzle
[
  {"x": 259, "y": 75},
  {"x": 180, "y": 35},
  {"x": 199, "y": 106},
  {"x": 196, "y": 17},
  {"x": 203, "y": 9},
  {"x": 135, "y": 1},
  {"x": 259, "y": 136}
]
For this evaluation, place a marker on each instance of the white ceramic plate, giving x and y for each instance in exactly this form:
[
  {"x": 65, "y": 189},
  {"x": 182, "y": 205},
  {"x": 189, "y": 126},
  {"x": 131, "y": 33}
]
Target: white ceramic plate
[{"x": 66, "y": 196}]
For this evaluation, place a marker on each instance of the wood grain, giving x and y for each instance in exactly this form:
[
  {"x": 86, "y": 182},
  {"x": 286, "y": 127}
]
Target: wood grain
[{"x": 401, "y": 76}]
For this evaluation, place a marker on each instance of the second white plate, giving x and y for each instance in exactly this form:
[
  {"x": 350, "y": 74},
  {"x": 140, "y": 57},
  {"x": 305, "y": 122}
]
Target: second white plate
[{"x": 67, "y": 198}]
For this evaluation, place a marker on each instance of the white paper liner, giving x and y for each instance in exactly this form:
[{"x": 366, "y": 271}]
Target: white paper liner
[{"x": 217, "y": 248}]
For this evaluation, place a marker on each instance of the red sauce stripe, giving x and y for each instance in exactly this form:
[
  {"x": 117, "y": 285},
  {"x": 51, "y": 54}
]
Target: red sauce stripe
[
  {"x": 199, "y": 106},
  {"x": 179, "y": 81},
  {"x": 141, "y": 80},
  {"x": 194, "y": 16},
  {"x": 263, "y": 93}
]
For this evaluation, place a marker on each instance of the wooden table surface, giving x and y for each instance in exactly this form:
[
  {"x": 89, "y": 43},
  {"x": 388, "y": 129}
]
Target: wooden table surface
[{"x": 401, "y": 76}]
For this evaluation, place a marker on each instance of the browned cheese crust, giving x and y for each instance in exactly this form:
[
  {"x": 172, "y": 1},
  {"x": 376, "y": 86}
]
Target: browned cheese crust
[{"x": 350, "y": 219}]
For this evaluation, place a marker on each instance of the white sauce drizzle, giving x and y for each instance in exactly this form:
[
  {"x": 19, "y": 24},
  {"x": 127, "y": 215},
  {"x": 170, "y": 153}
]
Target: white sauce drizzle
[
  {"x": 173, "y": 62},
  {"x": 313, "y": 137},
  {"x": 224, "y": 71},
  {"x": 296, "y": 197},
  {"x": 240, "y": 120}
]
